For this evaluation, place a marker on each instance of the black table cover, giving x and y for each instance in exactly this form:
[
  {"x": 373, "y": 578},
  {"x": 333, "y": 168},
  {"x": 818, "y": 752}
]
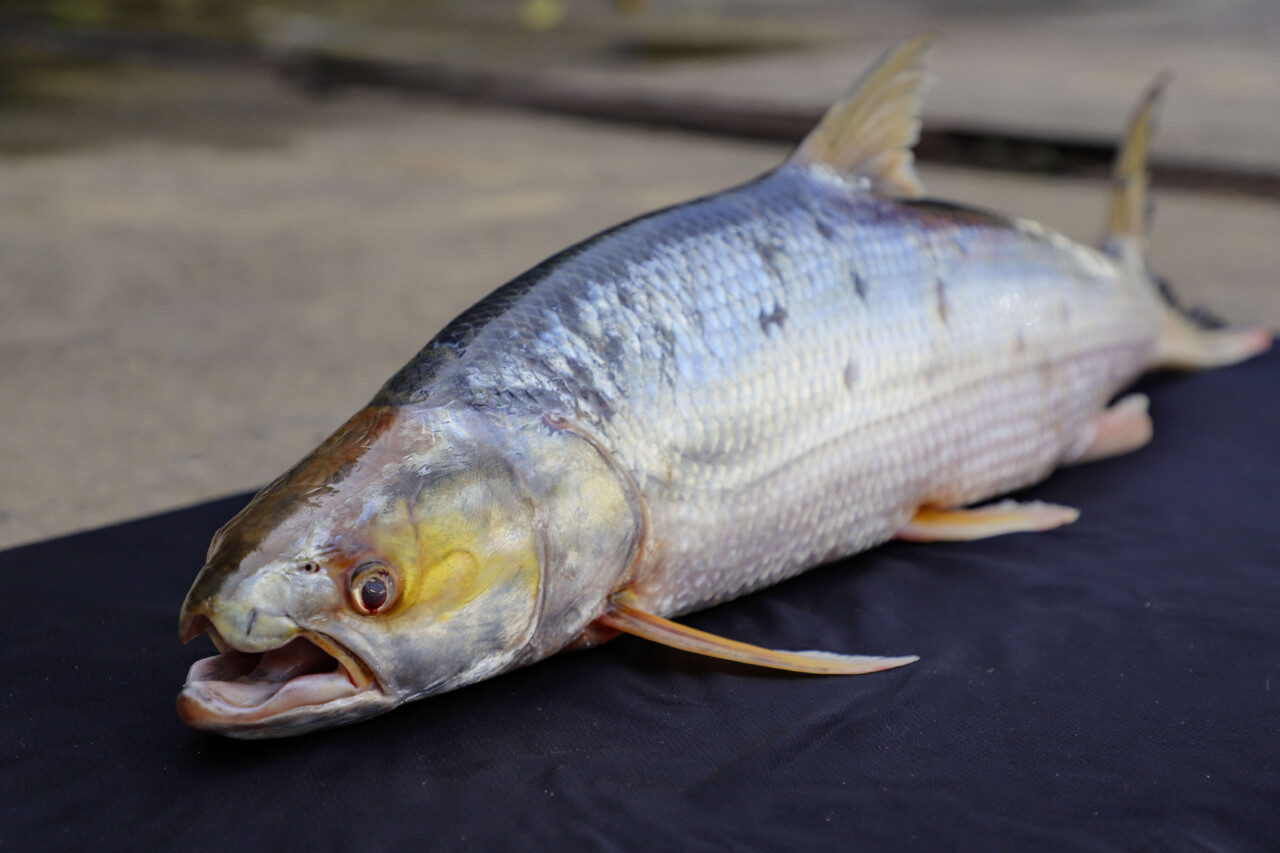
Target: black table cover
[{"x": 1111, "y": 685}]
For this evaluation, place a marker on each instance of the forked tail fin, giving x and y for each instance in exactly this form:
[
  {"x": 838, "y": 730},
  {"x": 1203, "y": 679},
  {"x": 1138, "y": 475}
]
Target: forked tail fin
[{"x": 1186, "y": 341}]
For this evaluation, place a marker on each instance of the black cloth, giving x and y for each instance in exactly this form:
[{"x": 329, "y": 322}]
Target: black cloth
[{"x": 1114, "y": 684}]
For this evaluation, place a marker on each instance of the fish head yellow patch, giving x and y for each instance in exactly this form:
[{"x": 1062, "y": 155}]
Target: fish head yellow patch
[{"x": 442, "y": 575}]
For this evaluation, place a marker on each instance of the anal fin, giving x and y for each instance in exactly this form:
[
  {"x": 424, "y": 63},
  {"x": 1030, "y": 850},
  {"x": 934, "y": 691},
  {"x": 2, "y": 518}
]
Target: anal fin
[
  {"x": 963, "y": 525},
  {"x": 624, "y": 616},
  {"x": 1122, "y": 427}
]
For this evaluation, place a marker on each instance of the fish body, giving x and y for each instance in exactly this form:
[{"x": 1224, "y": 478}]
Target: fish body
[
  {"x": 689, "y": 406},
  {"x": 805, "y": 355}
]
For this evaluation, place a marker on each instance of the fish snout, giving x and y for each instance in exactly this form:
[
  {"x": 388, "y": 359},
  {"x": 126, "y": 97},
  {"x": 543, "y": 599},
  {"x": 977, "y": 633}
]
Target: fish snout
[
  {"x": 245, "y": 628},
  {"x": 253, "y": 629},
  {"x": 247, "y": 615}
]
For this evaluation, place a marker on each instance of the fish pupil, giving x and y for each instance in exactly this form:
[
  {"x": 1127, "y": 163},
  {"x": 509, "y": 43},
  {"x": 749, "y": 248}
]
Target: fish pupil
[{"x": 373, "y": 594}]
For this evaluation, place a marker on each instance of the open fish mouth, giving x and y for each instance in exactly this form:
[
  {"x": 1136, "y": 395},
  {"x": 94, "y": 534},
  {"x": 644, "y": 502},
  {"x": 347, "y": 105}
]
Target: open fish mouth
[{"x": 234, "y": 689}]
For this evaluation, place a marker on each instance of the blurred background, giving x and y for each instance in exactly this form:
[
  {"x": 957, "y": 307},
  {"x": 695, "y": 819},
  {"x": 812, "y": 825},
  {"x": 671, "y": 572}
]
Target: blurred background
[{"x": 223, "y": 223}]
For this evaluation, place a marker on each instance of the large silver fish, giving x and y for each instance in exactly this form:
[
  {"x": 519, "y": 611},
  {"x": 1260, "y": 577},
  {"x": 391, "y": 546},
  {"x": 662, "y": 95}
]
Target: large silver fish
[{"x": 689, "y": 406}]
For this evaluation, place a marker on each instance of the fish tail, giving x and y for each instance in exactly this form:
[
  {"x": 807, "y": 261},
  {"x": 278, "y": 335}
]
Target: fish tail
[{"x": 1189, "y": 338}]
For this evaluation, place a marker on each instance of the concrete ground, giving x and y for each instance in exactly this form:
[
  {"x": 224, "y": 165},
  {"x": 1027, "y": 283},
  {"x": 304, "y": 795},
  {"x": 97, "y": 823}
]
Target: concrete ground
[{"x": 205, "y": 275}]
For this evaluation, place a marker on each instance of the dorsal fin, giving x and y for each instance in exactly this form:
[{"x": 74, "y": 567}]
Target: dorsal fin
[
  {"x": 1127, "y": 219},
  {"x": 869, "y": 132}
]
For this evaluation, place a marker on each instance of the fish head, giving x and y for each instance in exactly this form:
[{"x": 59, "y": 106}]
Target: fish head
[{"x": 401, "y": 558}]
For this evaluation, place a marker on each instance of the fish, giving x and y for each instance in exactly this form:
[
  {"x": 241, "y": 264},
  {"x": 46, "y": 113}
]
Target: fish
[{"x": 685, "y": 408}]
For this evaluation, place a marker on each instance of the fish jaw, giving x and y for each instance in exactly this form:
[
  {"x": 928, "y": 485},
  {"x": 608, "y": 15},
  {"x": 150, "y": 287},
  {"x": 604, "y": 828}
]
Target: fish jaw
[
  {"x": 271, "y": 677},
  {"x": 289, "y": 690}
]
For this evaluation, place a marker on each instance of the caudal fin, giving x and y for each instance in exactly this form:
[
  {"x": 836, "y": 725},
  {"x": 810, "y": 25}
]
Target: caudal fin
[
  {"x": 1186, "y": 341},
  {"x": 868, "y": 134}
]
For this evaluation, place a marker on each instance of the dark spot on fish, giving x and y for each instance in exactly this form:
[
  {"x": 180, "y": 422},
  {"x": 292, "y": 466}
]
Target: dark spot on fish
[
  {"x": 940, "y": 294},
  {"x": 666, "y": 339},
  {"x": 567, "y": 309},
  {"x": 850, "y": 374},
  {"x": 624, "y": 297},
  {"x": 596, "y": 402},
  {"x": 860, "y": 285},
  {"x": 613, "y": 349},
  {"x": 774, "y": 318},
  {"x": 826, "y": 231},
  {"x": 253, "y": 617},
  {"x": 769, "y": 257},
  {"x": 579, "y": 372}
]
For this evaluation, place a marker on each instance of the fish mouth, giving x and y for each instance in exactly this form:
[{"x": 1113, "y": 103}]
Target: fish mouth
[{"x": 309, "y": 677}]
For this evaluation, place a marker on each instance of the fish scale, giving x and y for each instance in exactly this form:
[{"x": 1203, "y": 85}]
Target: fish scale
[{"x": 726, "y": 399}]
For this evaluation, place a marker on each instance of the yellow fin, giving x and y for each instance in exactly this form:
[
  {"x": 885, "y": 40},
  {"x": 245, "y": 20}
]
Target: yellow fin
[
  {"x": 1127, "y": 218},
  {"x": 869, "y": 132},
  {"x": 966, "y": 525},
  {"x": 624, "y": 616}
]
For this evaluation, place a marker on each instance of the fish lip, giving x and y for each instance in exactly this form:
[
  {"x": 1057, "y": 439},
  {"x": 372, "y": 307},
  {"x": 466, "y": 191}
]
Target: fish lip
[{"x": 208, "y": 701}]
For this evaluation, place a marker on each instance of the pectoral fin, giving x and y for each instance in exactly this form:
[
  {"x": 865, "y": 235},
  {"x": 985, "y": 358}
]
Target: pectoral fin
[
  {"x": 623, "y": 616},
  {"x": 963, "y": 525}
]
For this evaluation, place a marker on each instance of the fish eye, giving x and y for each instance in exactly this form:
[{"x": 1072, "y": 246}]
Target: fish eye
[{"x": 373, "y": 588}]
